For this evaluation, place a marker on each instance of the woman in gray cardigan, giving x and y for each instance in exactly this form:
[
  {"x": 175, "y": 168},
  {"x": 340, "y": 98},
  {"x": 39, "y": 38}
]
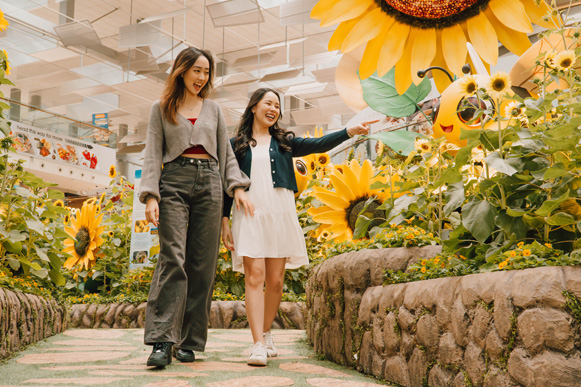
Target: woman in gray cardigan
[{"x": 188, "y": 165}]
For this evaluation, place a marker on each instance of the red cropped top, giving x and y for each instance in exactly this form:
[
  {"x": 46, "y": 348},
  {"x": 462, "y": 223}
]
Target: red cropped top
[{"x": 195, "y": 150}]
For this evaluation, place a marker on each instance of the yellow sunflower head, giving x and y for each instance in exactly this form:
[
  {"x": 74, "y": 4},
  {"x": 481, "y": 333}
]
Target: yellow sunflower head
[
  {"x": 549, "y": 59},
  {"x": 111, "y": 234},
  {"x": 498, "y": 85},
  {"x": 422, "y": 145},
  {"x": 412, "y": 35},
  {"x": 513, "y": 109},
  {"x": 323, "y": 160},
  {"x": 468, "y": 85},
  {"x": 67, "y": 219},
  {"x": 84, "y": 237},
  {"x": 325, "y": 234},
  {"x": 379, "y": 148},
  {"x": 112, "y": 171},
  {"x": 59, "y": 203},
  {"x": 342, "y": 206},
  {"x": 564, "y": 60}
]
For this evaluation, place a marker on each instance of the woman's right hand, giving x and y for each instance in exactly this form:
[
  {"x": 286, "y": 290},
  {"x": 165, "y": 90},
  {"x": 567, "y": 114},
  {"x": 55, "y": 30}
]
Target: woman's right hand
[
  {"x": 227, "y": 238},
  {"x": 152, "y": 211}
]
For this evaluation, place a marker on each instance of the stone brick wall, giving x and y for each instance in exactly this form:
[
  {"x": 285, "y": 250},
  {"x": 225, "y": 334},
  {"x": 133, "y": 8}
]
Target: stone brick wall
[
  {"x": 224, "y": 314},
  {"x": 26, "y": 319},
  {"x": 494, "y": 329}
]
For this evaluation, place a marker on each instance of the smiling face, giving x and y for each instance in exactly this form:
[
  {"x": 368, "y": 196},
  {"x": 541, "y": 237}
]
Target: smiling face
[
  {"x": 267, "y": 110},
  {"x": 197, "y": 76}
]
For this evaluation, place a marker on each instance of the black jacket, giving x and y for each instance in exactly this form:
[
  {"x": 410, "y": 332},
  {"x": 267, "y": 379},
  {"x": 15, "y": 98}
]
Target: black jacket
[{"x": 281, "y": 162}]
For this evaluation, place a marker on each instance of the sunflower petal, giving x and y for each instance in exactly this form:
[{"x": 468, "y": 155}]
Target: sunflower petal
[
  {"x": 355, "y": 167},
  {"x": 483, "y": 37},
  {"x": 537, "y": 12},
  {"x": 516, "y": 42},
  {"x": 365, "y": 177},
  {"x": 423, "y": 51},
  {"x": 71, "y": 231},
  {"x": 367, "y": 28},
  {"x": 318, "y": 210},
  {"x": 351, "y": 180},
  {"x": 393, "y": 47},
  {"x": 333, "y": 201},
  {"x": 321, "y": 7},
  {"x": 341, "y": 33},
  {"x": 342, "y": 189},
  {"x": 511, "y": 13},
  {"x": 453, "y": 43},
  {"x": 345, "y": 10},
  {"x": 371, "y": 55},
  {"x": 330, "y": 217},
  {"x": 403, "y": 76},
  {"x": 440, "y": 78},
  {"x": 70, "y": 263}
]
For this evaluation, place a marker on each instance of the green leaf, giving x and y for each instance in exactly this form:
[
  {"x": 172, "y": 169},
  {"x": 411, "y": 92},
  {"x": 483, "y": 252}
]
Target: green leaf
[
  {"x": 41, "y": 254},
  {"x": 515, "y": 212},
  {"x": 455, "y": 197},
  {"x": 14, "y": 263},
  {"x": 511, "y": 225},
  {"x": 400, "y": 141},
  {"x": 561, "y": 219},
  {"x": 495, "y": 161},
  {"x": 549, "y": 206},
  {"x": 4, "y": 127},
  {"x": 556, "y": 170},
  {"x": 53, "y": 194},
  {"x": 32, "y": 265},
  {"x": 381, "y": 95},
  {"x": 35, "y": 225},
  {"x": 361, "y": 226},
  {"x": 478, "y": 218}
]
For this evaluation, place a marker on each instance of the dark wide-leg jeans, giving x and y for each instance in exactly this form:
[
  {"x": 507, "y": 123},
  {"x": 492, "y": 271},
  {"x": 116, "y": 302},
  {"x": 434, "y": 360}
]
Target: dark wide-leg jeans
[{"x": 190, "y": 211}]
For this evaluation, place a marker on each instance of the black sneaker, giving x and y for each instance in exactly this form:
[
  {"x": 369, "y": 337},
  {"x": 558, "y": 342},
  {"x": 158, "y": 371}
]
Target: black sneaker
[
  {"x": 185, "y": 355},
  {"x": 161, "y": 355}
]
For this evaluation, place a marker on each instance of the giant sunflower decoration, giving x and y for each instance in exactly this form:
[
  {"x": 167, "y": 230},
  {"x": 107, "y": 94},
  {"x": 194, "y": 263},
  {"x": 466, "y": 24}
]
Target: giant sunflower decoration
[
  {"x": 342, "y": 206},
  {"x": 415, "y": 34},
  {"x": 85, "y": 237}
]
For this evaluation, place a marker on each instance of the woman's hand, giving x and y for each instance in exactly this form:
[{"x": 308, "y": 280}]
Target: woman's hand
[
  {"x": 152, "y": 211},
  {"x": 362, "y": 128},
  {"x": 242, "y": 201},
  {"x": 227, "y": 238}
]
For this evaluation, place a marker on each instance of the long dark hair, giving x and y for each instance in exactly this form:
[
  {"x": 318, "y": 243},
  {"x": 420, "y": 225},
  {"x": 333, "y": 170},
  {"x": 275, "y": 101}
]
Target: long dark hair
[
  {"x": 174, "y": 92},
  {"x": 244, "y": 133}
]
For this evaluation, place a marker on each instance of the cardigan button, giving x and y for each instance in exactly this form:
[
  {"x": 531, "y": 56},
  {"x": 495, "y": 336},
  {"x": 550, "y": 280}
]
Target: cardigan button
[
  {"x": 272, "y": 160},
  {"x": 273, "y": 171},
  {"x": 271, "y": 149}
]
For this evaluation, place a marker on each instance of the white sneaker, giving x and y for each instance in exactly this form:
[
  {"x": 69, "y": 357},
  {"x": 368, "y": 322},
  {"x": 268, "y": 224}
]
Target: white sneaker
[
  {"x": 269, "y": 343},
  {"x": 258, "y": 355}
]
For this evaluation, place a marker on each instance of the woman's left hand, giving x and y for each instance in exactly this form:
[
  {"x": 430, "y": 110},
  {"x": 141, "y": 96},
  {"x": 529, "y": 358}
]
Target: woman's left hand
[
  {"x": 362, "y": 128},
  {"x": 242, "y": 200}
]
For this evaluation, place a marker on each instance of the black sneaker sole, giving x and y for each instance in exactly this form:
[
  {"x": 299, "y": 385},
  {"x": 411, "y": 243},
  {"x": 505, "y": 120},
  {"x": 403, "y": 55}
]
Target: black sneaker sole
[
  {"x": 185, "y": 359},
  {"x": 158, "y": 362}
]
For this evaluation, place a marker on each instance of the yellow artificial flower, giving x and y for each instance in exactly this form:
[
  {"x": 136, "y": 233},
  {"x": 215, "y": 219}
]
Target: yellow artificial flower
[
  {"x": 468, "y": 85},
  {"x": 564, "y": 60},
  {"x": 413, "y": 35},
  {"x": 526, "y": 253},
  {"x": 3, "y": 22},
  {"x": 342, "y": 206},
  {"x": 112, "y": 171},
  {"x": 498, "y": 85},
  {"x": 84, "y": 237}
]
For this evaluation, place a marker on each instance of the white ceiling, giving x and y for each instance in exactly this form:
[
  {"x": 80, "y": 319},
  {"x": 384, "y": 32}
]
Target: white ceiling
[{"x": 103, "y": 60}]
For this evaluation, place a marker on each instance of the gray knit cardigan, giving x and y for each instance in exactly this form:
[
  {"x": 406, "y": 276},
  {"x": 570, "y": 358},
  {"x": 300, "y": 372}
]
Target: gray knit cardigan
[{"x": 166, "y": 141}]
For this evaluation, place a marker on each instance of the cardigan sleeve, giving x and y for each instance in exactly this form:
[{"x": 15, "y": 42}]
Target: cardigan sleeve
[
  {"x": 228, "y": 200},
  {"x": 232, "y": 176},
  {"x": 305, "y": 146},
  {"x": 152, "y": 162}
]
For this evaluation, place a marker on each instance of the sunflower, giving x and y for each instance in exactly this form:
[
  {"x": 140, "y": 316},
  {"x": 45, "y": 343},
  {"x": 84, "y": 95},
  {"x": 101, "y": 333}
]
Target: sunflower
[
  {"x": 342, "y": 206},
  {"x": 85, "y": 239},
  {"x": 513, "y": 109},
  {"x": 6, "y": 63},
  {"x": 110, "y": 233},
  {"x": 468, "y": 85},
  {"x": 3, "y": 22},
  {"x": 564, "y": 60},
  {"x": 412, "y": 35},
  {"x": 422, "y": 145},
  {"x": 112, "y": 171},
  {"x": 59, "y": 203},
  {"x": 498, "y": 85}
]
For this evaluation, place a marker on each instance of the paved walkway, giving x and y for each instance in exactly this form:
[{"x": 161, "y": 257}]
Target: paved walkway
[{"x": 114, "y": 357}]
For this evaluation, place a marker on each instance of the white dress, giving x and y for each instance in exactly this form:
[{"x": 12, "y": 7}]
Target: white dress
[{"x": 274, "y": 230}]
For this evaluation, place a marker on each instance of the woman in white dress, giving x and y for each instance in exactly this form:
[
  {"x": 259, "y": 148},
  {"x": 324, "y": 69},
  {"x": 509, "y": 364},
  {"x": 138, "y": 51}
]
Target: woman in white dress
[{"x": 265, "y": 244}]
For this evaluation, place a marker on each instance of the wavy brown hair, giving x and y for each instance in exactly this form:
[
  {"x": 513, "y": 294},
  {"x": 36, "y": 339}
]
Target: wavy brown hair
[
  {"x": 174, "y": 92},
  {"x": 243, "y": 135}
]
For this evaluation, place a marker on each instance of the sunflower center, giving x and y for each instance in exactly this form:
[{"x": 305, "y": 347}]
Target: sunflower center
[
  {"x": 566, "y": 63},
  {"x": 471, "y": 88},
  {"x": 432, "y": 13},
  {"x": 357, "y": 205},
  {"x": 498, "y": 84},
  {"x": 82, "y": 240}
]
